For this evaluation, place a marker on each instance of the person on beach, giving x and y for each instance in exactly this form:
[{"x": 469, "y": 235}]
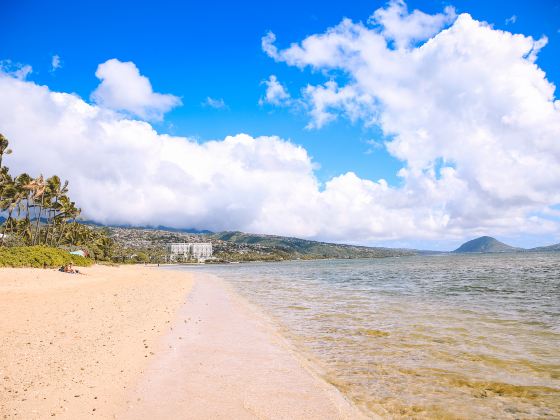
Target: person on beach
[{"x": 68, "y": 269}]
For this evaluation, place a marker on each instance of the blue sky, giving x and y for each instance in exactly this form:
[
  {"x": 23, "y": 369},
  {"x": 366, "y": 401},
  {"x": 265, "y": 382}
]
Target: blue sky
[{"x": 196, "y": 50}]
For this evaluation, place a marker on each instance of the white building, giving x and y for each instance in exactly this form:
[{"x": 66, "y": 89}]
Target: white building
[{"x": 189, "y": 250}]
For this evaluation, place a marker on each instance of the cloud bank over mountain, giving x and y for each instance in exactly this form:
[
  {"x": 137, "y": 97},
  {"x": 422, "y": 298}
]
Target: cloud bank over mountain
[{"x": 465, "y": 108}]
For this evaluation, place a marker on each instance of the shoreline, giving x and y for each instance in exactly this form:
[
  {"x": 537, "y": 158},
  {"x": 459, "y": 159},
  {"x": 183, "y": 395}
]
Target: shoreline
[
  {"x": 228, "y": 358},
  {"x": 118, "y": 343}
]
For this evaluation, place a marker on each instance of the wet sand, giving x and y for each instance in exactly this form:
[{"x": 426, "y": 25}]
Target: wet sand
[
  {"x": 143, "y": 343},
  {"x": 224, "y": 360}
]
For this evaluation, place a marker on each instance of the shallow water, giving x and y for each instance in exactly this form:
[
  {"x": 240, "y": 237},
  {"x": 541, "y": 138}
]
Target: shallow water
[{"x": 451, "y": 336}]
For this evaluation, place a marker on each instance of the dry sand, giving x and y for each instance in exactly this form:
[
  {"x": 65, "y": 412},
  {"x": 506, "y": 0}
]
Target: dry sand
[
  {"x": 71, "y": 344},
  {"x": 122, "y": 343}
]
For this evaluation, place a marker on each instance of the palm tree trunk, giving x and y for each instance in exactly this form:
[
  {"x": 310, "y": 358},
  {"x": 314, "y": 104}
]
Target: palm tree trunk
[
  {"x": 37, "y": 226},
  {"x": 62, "y": 231},
  {"x": 28, "y": 216}
]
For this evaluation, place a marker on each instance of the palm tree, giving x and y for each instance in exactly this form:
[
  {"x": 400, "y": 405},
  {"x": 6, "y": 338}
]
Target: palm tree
[
  {"x": 67, "y": 211},
  {"x": 8, "y": 202},
  {"x": 4, "y": 148},
  {"x": 23, "y": 199},
  {"x": 55, "y": 191},
  {"x": 37, "y": 188}
]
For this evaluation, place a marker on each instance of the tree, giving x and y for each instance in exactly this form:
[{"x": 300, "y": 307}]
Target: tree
[
  {"x": 4, "y": 148},
  {"x": 8, "y": 203},
  {"x": 28, "y": 201},
  {"x": 55, "y": 192}
]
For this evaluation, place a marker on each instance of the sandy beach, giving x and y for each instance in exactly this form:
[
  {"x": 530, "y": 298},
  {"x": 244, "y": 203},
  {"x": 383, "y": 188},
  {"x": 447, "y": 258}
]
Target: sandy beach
[{"x": 140, "y": 342}]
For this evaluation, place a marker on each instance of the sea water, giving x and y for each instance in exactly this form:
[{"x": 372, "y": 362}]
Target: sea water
[{"x": 449, "y": 336}]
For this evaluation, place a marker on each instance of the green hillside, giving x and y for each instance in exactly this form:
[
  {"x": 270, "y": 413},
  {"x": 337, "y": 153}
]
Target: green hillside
[
  {"x": 302, "y": 248},
  {"x": 485, "y": 244}
]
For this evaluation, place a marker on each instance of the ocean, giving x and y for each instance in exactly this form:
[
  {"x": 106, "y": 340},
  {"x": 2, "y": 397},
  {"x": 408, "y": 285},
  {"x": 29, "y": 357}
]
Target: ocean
[{"x": 446, "y": 336}]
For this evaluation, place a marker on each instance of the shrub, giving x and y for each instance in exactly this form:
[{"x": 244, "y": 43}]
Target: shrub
[{"x": 37, "y": 256}]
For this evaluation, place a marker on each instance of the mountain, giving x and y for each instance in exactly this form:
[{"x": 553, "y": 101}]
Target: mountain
[
  {"x": 239, "y": 246},
  {"x": 303, "y": 248},
  {"x": 486, "y": 244},
  {"x": 555, "y": 247},
  {"x": 160, "y": 227}
]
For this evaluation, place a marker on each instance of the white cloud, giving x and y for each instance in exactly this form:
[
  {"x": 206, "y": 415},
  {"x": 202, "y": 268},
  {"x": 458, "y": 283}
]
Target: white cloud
[
  {"x": 122, "y": 171},
  {"x": 123, "y": 88},
  {"x": 324, "y": 99},
  {"x": 214, "y": 103},
  {"x": 268, "y": 46},
  {"x": 469, "y": 113},
  {"x": 405, "y": 28},
  {"x": 276, "y": 93},
  {"x": 512, "y": 19},
  {"x": 55, "y": 63}
]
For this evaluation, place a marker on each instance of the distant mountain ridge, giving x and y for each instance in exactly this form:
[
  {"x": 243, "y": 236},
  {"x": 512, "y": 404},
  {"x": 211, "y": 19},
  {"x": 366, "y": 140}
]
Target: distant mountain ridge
[
  {"x": 290, "y": 247},
  {"x": 487, "y": 244},
  {"x": 159, "y": 227},
  {"x": 297, "y": 247},
  {"x": 239, "y": 246}
]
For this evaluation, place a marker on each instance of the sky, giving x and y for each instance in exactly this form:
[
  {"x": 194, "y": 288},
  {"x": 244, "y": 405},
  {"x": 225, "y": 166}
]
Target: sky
[{"x": 418, "y": 124}]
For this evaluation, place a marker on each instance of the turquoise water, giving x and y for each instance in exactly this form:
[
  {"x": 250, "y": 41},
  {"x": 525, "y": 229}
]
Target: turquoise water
[{"x": 451, "y": 336}]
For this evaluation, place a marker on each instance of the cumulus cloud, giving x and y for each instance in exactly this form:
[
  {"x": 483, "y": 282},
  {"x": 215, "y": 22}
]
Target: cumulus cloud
[
  {"x": 123, "y": 171},
  {"x": 405, "y": 28},
  {"x": 55, "y": 63},
  {"x": 469, "y": 112},
  {"x": 214, "y": 103},
  {"x": 276, "y": 93},
  {"x": 328, "y": 98},
  {"x": 123, "y": 88}
]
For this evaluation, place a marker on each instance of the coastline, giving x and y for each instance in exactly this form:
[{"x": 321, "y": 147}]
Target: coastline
[{"x": 137, "y": 342}]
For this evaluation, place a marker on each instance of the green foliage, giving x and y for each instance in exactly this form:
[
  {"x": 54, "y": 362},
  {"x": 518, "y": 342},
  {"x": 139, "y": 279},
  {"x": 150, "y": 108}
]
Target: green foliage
[
  {"x": 38, "y": 256},
  {"x": 40, "y": 212},
  {"x": 141, "y": 257},
  {"x": 275, "y": 255}
]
